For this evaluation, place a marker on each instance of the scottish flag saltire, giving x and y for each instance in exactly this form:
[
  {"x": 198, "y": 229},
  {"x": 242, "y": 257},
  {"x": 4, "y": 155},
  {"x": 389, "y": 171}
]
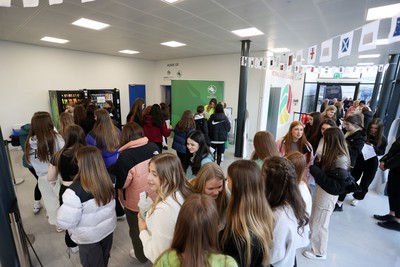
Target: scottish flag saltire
[
  {"x": 345, "y": 44},
  {"x": 394, "y": 35},
  {"x": 369, "y": 35}
]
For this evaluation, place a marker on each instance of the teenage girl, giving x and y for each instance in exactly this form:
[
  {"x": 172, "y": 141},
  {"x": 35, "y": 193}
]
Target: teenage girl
[
  {"x": 88, "y": 209},
  {"x": 312, "y": 126},
  {"x": 218, "y": 129},
  {"x": 199, "y": 152},
  {"x": 183, "y": 128},
  {"x": 264, "y": 147},
  {"x": 210, "y": 180},
  {"x": 249, "y": 220},
  {"x": 41, "y": 144},
  {"x": 195, "y": 241},
  {"x": 168, "y": 181},
  {"x": 155, "y": 127},
  {"x": 135, "y": 114}
]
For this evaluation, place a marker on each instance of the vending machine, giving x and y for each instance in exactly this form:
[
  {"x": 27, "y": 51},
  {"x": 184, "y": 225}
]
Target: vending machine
[{"x": 60, "y": 99}]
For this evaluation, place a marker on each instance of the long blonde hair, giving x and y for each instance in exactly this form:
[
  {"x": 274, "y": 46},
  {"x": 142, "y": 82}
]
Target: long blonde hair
[
  {"x": 172, "y": 178},
  {"x": 249, "y": 214},
  {"x": 93, "y": 175},
  {"x": 106, "y": 133}
]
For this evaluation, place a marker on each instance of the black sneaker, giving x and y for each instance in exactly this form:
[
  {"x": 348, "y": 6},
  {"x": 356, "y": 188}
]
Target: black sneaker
[
  {"x": 338, "y": 208},
  {"x": 392, "y": 225},
  {"x": 384, "y": 218}
]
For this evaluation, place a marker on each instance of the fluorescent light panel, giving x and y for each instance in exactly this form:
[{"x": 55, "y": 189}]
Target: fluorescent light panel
[
  {"x": 90, "y": 24},
  {"x": 54, "y": 40},
  {"x": 248, "y": 32},
  {"x": 382, "y": 42},
  {"x": 383, "y": 12},
  {"x": 171, "y": 1},
  {"x": 280, "y": 50},
  {"x": 369, "y": 56},
  {"x": 173, "y": 44},
  {"x": 365, "y": 64},
  {"x": 130, "y": 52}
]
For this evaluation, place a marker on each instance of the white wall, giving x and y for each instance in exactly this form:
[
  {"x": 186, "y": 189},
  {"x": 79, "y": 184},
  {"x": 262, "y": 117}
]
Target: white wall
[
  {"x": 220, "y": 68},
  {"x": 28, "y": 72}
]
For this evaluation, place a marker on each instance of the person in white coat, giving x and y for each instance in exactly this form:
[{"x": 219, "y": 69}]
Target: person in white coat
[{"x": 88, "y": 209}]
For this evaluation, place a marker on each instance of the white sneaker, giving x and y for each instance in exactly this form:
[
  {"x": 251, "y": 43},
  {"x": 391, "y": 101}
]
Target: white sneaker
[
  {"x": 132, "y": 254},
  {"x": 310, "y": 255},
  {"x": 36, "y": 207},
  {"x": 222, "y": 157},
  {"x": 74, "y": 249},
  {"x": 354, "y": 202}
]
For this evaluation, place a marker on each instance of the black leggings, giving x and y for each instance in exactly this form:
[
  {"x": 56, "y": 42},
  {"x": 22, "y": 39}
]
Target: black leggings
[{"x": 37, "y": 194}]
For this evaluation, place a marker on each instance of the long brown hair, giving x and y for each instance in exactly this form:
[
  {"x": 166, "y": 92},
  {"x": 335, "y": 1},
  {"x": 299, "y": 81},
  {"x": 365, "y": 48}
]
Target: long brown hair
[
  {"x": 196, "y": 231},
  {"x": 172, "y": 178},
  {"x": 65, "y": 120},
  {"x": 378, "y": 136},
  {"x": 106, "y": 133},
  {"x": 300, "y": 164},
  {"x": 207, "y": 172},
  {"x": 264, "y": 146},
  {"x": 281, "y": 188},
  {"x": 302, "y": 143},
  {"x": 248, "y": 213},
  {"x": 79, "y": 114},
  {"x": 186, "y": 122},
  {"x": 93, "y": 175},
  {"x": 131, "y": 131},
  {"x": 335, "y": 145},
  {"x": 74, "y": 139},
  {"x": 137, "y": 109},
  {"x": 42, "y": 128}
]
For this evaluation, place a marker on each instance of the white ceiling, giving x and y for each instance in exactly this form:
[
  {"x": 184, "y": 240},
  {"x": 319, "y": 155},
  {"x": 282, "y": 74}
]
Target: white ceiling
[{"x": 204, "y": 25}]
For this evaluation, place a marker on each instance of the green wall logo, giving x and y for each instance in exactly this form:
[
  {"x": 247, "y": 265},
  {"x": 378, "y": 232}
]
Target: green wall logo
[
  {"x": 212, "y": 89},
  {"x": 285, "y": 106}
]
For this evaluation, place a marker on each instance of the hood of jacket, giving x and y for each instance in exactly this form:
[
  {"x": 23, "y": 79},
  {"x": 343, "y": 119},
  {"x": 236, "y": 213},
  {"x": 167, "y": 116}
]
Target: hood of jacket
[{"x": 135, "y": 143}]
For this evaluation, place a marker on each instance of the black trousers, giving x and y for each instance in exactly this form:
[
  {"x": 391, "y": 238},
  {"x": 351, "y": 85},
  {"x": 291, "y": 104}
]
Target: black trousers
[
  {"x": 364, "y": 170},
  {"x": 132, "y": 219},
  {"x": 97, "y": 254},
  {"x": 393, "y": 190},
  {"x": 68, "y": 241},
  {"x": 37, "y": 193},
  {"x": 219, "y": 150}
]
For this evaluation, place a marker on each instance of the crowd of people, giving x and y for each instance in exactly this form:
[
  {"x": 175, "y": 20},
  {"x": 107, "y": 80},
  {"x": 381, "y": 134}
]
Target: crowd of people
[{"x": 93, "y": 171}]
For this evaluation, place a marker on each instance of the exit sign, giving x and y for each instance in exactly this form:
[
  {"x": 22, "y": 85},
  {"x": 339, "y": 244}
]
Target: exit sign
[{"x": 337, "y": 75}]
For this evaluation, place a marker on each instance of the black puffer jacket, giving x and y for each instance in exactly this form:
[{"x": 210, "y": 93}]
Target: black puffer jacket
[
  {"x": 355, "y": 144},
  {"x": 218, "y": 128},
  {"x": 335, "y": 182}
]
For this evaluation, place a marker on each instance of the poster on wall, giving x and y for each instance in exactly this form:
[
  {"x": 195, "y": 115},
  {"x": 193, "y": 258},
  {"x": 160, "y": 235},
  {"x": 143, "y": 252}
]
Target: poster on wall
[
  {"x": 283, "y": 91},
  {"x": 188, "y": 94}
]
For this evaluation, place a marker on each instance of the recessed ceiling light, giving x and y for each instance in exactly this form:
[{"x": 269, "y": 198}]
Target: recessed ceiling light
[
  {"x": 171, "y": 1},
  {"x": 54, "y": 40},
  {"x": 173, "y": 44},
  {"x": 91, "y": 24},
  {"x": 365, "y": 64},
  {"x": 369, "y": 56},
  {"x": 248, "y": 32},
  {"x": 382, "y": 41},
  {"x": 130, "y": 52},
  {"x": 383, "y": 12},
  {"x": 280, "y": 50}
]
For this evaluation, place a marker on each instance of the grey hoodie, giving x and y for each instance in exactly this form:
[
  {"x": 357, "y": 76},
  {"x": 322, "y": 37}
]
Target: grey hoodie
[{"x": 41, "y": 167}]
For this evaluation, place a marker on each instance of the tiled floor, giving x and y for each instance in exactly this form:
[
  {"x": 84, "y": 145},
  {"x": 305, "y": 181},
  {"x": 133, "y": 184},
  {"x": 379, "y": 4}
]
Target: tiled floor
[{"x": 355, "y": 239}]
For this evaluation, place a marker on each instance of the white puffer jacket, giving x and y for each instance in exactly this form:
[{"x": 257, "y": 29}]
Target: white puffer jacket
[{"x": 87, "y": 222}]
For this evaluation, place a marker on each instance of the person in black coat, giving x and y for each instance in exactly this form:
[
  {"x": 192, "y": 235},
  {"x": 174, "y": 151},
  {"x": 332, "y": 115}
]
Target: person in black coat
[
  {"x": 391, "y": 161},
  {"x": 218, "y": 128},
  {"x": 355, "y": 138}
]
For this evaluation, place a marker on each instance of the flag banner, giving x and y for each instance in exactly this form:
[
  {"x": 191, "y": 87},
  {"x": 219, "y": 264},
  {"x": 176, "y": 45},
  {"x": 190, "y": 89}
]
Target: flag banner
[
  {"x": 312, "y": 69},
  {"x": 312, "y": 51},
  {"x": 251, "y": 62},
  {"x": 326, "y": 51},
  {"x": 345, "y": 44},
  {"x": 290, "y": 60},
  {"x": 341, "y": 69},
  {"x": 299, "y": 57},
  {"x": 394, "y": 35},
  {"x": 31, "y": 3},
  {"x": 369, "y": 35},
  {"x": 243, "y": 61},
  {"x": 55, "y": 2},
  {"x": 6, "y": 3},
  {"x": 380, "y": 68}
]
